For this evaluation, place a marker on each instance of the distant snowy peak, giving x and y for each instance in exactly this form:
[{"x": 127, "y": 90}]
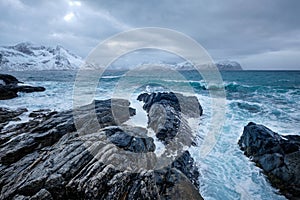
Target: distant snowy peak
[
  {"x": 222, "y": 66},
  {"x": 28, "y": 56},
  {"x": 184, "y": 66},
  {"x": 229, "y": 65}
]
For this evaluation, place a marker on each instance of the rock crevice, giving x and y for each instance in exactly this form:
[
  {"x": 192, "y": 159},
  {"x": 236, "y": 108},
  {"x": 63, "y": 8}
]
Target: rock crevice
[{"x": 49, "y": 158}]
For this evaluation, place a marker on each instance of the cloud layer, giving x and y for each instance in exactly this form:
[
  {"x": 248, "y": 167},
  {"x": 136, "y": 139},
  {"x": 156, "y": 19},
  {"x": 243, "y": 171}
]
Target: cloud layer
[{"x": 259, "y": 34}]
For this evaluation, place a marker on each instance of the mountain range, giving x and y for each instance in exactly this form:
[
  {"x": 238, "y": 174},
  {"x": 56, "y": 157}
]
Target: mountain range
[
  {"x": 226, "y": 65},
  {"x": 27, "y": 56}
]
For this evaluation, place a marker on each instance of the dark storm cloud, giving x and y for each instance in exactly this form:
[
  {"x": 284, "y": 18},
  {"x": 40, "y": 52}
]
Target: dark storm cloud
[
  {"x": 45, "y": 22},
  {"x": 256, "y": 33}
]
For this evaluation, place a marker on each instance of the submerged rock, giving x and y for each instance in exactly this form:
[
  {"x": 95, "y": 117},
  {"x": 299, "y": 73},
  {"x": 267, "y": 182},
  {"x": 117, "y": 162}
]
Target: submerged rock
[
  {"x": 50, "y": 157},
  {"x": 278, "y": 156},
  {"x": 9, "y": 87}
]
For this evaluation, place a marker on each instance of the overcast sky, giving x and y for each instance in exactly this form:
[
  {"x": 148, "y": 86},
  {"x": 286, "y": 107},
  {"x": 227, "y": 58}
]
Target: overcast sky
[{"x": 260, "y": 34}]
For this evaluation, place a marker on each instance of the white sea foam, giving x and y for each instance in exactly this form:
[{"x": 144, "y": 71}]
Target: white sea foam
[
  {"x": 140, "y": 118},
  {"x": 159, "y": 146},
  {"x": 111, "y": 77},
  {"x": 23, "y": 118},
  {"x": 225, "y": 173}
]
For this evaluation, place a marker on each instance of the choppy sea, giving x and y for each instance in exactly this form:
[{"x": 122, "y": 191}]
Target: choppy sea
[{"x": 271, "y": 98}]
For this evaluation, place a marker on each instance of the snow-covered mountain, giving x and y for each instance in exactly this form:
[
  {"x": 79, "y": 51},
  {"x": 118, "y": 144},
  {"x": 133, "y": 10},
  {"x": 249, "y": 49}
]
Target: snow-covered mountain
[
  {"x": 229, "y": 65},
  {"x": 28, "y": 56},
  {"x": 222, "y": 66}
]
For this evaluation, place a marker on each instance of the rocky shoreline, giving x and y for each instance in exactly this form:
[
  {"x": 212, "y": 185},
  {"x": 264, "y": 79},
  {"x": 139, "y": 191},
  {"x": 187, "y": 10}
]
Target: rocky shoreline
[
  {"x": 59, "y": 155},
  {"x": 48, "y": 158},
  {"x": 277, "y": 155}
]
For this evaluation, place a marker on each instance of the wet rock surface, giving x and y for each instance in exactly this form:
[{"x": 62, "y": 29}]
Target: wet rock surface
[
  {"x": 9, "y": 87},
  {"x": 8, "y": 115},
  {"x": 8, "y": 79},
  {"x": 277, "y": 155},
  {"x": 52, "y": 157},
  {"x": 165, "y": 113}
]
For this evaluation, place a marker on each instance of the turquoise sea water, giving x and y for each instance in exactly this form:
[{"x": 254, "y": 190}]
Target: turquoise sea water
[{"x": 271, "y": 98}]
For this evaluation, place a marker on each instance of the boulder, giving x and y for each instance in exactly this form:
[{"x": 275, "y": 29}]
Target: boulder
[{"x": 277, "y": 155}]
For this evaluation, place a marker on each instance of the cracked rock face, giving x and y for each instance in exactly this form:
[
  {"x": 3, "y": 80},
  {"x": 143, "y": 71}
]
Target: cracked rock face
[
  {"x": 278, "y": 156},
  {"x": 48, "y": 158}
]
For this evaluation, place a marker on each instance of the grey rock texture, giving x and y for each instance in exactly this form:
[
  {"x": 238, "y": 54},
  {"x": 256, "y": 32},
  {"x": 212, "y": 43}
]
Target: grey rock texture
[
  {"x": 49, "y": 157},
  {"x": 278, "y": 156},
  {"x": 8, "y": 115},
  {"x": 171, "y": 107}
]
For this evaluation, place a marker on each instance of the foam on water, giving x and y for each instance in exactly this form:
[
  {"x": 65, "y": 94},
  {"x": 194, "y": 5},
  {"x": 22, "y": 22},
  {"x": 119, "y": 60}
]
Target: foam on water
[
  {"x": 23, "y": 118},
  {"x": 140, "y": 118},
  {"x": 159, "y": 146},
  {"x": 225, "y": 173},
  {"x": 58, "y": 96},
  {"x": 112, "y": 77}
]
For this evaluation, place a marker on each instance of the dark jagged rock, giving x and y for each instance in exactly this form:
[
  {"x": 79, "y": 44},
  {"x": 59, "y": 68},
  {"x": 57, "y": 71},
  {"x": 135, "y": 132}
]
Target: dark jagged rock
[
  {"x": 6, "y": 93},
  {"x": 7, "y": 115},
  {"x": 278, "y": 156},
  {"x": 185, "y": 163},
  {"x": 129, "y": 141},
  {"x": 28, "y": 89},
  {"x": 9, "y": 87},
  {"x": 167, "y": 116},
  {"x": 165, "y": 110},
  {"x": 188, "y": 105},
  {"x": 39, "y": 113},
  {"x": 9, "y": 79},
  {"x": 52, "y": 157}
]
